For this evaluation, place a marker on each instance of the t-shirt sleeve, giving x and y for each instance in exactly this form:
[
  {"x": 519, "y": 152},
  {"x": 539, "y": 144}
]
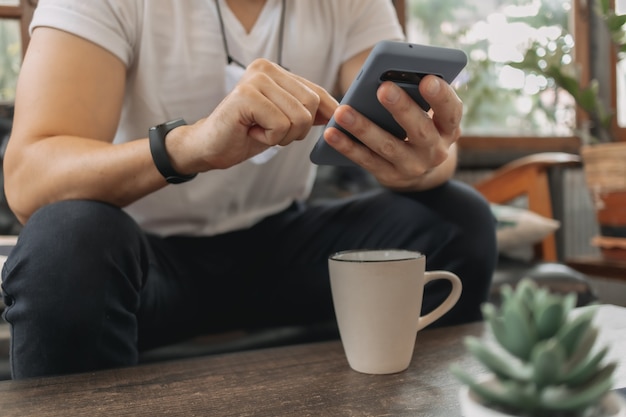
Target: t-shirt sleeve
[
  {"x": 111, "y": 24},
  {"x": 371, "y": 21}
]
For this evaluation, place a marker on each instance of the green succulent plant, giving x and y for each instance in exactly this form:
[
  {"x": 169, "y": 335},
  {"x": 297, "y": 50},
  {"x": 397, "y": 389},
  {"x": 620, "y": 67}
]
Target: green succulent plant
[{"x": 543, "y": 359}]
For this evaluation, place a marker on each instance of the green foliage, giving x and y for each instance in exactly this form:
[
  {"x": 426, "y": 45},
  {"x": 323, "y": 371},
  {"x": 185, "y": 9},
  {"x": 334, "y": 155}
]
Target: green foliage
[
  {"x": 551, "y": 83},
  {"x": 432, "y": 14},
  {"x": 549, "y": 62},
  {"x": 615, "y": 25},
  {"x": 10, "y": 58},
  {"x": 493, "y": 105},
  {"x": 485, "y": 102},
  {"x": 543, "y": 358},
  {"x": 550, "y": 13}
]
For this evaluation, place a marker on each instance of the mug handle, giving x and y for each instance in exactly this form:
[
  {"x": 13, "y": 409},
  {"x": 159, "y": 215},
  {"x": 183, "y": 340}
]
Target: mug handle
[{"x": 448, "y": 303}]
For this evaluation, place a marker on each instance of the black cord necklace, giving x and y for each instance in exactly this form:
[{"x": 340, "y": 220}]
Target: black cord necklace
[{"x": 281, "y": 30}]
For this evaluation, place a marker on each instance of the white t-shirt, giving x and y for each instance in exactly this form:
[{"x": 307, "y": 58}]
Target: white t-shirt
[{"x": 174, "y": 53}]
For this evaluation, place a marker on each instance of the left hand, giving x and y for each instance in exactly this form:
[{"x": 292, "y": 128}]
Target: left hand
[{"x": 424, "y": 159}]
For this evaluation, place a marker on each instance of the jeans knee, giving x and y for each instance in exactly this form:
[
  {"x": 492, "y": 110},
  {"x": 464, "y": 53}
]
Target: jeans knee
[
  {"x": 76, "y": 226},
  {"x": 73, "y": 281},
  {"x": 458, "y": 210},
  {"x": 70, "y": 251}
]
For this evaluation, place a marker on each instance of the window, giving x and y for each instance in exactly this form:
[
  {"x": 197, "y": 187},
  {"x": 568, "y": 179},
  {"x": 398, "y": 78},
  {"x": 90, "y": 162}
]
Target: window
[
  {"x": 498, "y": 35},
  {"x": 11, "y": 58}
]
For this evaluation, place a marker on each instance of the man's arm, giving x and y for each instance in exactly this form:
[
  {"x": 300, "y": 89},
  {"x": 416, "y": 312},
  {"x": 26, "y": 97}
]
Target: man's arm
[
  {"x": 68, "y": 106},
  {"x": 68, "y": 103}
]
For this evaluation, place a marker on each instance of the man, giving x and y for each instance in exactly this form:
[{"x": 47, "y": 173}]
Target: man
[{"x": 114, "y": 259}]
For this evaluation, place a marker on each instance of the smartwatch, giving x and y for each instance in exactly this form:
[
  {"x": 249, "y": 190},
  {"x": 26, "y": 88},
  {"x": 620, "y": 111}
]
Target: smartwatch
[{"x": 156, "y": 136}]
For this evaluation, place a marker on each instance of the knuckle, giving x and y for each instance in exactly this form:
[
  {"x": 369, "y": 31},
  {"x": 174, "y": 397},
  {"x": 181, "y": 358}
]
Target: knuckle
[
  {"x": 260, "y": 78},
  {"x": 242, "y": 89},
  {"x": 387, "y": 149},
  {"x": 312, "y": 101},
  {"x": 279, "y": 131},
  {"x": 437, "y": 156},
  {"x": 261, "y": 64},
  {"x": 302, "y": 120},
  {"x": 456, "y": 116},
  {"x": 456, "y": 134},
  {"x": 415, "y": 171},
  {"x": 420, "y": 131}
]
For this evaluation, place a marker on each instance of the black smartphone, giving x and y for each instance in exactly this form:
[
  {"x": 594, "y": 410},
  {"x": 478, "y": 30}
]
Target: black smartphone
[{"x": 403, "y": 63}]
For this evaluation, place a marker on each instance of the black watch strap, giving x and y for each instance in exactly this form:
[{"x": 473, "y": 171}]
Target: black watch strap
[{"x": 156, "y": 136}]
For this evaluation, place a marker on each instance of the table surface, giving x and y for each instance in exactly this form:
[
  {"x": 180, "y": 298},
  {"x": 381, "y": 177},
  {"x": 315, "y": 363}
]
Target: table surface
[
  {"x": 599, "y": 266},
  {"x": 301, "y": 380}
]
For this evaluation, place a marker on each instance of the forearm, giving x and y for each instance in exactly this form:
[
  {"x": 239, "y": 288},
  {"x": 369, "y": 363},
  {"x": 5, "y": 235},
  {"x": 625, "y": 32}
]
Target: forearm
[{"x": 66, "y": 167}]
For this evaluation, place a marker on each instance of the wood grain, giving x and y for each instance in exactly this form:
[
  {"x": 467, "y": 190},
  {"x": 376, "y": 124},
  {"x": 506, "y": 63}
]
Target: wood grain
[
  {"x": 311, "y": 379},
  {"x": 301, "y": 380}
]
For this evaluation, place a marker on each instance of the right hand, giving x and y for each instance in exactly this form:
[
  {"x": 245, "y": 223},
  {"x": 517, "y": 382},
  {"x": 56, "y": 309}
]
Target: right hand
[{"x": 269, "y": 106}]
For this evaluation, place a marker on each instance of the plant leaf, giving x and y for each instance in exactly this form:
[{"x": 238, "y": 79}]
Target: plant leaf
[
  {"x": 585, "y": 370},
  {"x": 561, "y": 398},
  {"x": 498, "y": 362},
  {"x": 571, "y": 334},
  {"x": 581, "y": 354},
  {"x": 508, "y": 395},
  {"x": 517, "y": 334},
  {"x": 547, "y": 359},
  {"x": 549, "y": 316}
]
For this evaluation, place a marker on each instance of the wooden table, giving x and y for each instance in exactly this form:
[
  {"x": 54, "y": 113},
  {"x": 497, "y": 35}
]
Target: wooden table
[
  {"x": 303, "y": 380},
  {"x": 599, "y": 267}
]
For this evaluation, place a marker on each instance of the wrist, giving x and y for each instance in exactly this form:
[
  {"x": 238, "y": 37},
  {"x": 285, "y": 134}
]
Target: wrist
[{"x": 157, "y": 137}]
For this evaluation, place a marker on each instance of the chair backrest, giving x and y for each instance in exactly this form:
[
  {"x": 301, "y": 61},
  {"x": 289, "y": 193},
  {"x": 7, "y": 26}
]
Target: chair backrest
[{"x": 529, "y": 176}]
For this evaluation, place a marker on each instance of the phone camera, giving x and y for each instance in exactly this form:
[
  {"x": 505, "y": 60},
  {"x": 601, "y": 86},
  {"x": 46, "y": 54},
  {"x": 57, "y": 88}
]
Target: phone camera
[{"x": 403, "y": 77}]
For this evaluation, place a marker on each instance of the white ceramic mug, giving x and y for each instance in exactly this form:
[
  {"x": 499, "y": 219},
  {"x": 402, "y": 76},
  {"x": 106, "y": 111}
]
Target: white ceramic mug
[{"x": 377, "y": 296}]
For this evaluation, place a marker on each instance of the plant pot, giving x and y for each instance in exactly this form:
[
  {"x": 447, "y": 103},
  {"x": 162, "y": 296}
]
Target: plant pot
[
  {"x": 605, "y": 173},
  {"x": 472, "y": 406}
]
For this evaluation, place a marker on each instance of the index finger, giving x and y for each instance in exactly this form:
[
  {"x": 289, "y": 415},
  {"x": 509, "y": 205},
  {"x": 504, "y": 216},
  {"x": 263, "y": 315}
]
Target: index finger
[
  {"x": 327, "y": 105},
  {"x": 447, "y": 108}
]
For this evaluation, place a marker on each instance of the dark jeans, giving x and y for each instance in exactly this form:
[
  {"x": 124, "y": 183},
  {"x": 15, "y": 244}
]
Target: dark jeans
[{"x": 86, "y": 288}]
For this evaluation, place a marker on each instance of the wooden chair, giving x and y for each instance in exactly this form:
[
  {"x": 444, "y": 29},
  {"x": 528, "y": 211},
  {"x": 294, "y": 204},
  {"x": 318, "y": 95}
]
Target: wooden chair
[{"x": 528, "y": 176}]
